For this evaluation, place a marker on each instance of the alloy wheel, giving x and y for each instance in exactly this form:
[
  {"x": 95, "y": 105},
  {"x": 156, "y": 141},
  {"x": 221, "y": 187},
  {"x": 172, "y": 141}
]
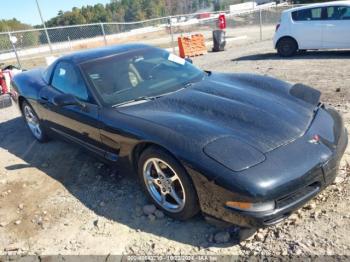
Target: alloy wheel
[
  {"x": 32, "y": 122},
  {"x": 164, "y": 185}
]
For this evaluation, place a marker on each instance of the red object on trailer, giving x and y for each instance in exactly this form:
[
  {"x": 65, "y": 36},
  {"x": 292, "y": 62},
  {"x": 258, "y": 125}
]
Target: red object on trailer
[
  {"x": 222, "y": 21},
  {"x": 3, "y": 85}
]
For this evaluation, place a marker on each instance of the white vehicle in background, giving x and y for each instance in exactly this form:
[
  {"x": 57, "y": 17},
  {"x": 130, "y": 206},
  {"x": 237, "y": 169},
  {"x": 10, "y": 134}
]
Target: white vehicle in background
[{"x": 316, "y": 26}]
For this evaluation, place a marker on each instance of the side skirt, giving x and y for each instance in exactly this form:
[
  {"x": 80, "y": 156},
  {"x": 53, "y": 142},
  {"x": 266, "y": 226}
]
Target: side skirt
[{"x": 100, "y": 152}]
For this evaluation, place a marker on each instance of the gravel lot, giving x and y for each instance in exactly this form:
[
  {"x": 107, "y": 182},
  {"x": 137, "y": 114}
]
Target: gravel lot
[{"x": 57, "y": 199}]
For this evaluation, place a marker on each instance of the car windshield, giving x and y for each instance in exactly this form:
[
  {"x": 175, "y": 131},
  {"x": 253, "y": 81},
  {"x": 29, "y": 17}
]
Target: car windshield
[{"x": 139, "y": 75}]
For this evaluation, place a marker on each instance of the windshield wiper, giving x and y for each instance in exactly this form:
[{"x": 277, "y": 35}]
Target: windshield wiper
[
  {"x": 150, "y": 98},
  {"x": 141, "y": 98}
]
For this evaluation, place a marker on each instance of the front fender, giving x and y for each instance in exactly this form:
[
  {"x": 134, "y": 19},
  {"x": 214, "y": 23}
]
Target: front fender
[{"x": 28, "y": 85}]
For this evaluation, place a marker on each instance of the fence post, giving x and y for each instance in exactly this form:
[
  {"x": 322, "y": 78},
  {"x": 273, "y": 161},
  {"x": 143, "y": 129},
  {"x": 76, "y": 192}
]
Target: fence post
[
  {"x": 48, "y": 40},
  {"x": 45, "y": 29},
  {"x": 15, "y": 50},
  {"x": 171, "y": 33},
  {"x": 70, "y": 44},
  {"x": 103, "y": 33},
  {"x": 260, "y": 19}
]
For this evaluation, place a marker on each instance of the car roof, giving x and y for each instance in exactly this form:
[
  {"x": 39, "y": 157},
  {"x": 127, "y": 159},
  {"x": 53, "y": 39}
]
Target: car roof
[
  {"x": 347, "y": 3},
  {"x": 95, "y": 53}
]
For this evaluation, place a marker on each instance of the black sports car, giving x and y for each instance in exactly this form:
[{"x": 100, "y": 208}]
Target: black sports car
[{"x": 245, "y": 149}]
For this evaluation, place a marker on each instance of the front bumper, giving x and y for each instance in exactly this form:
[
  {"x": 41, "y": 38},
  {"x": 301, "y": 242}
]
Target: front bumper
[
  {"x": 290, "y": 203},
  {"x": 295, "y": 185}
]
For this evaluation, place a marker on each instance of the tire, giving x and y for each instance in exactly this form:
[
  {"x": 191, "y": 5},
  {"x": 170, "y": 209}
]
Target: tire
[
  {"x": 33, "y": 122},
  {"x": 5, "y": 101},
  {"x": 287, "y": 47},
  {"x": 156, "y": 181}
]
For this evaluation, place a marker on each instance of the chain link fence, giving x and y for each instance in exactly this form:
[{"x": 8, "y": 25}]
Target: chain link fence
[{"x": 32, "y": 46}]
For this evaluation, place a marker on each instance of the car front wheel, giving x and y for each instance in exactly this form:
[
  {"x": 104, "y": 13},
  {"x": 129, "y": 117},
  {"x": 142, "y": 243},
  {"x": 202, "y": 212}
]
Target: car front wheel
[
  {"x": 287, "y": 47},
  {"x": 167, "y": 184},
  {"x": 33, "y": 122}
]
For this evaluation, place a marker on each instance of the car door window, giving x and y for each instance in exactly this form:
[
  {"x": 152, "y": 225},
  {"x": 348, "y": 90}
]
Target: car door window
[
  {"x": 307, "y": 14},
  {"x": 69, "y": 81},
  {"x": 338, "y": 13}
]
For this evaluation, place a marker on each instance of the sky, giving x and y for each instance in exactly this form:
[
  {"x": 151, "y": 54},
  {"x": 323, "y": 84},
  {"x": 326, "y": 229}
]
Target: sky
[{"x": 26, "y": 10}]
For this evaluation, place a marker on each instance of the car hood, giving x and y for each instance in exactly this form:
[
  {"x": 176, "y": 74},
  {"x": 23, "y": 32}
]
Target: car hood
[{"x": 260, "y": 111}]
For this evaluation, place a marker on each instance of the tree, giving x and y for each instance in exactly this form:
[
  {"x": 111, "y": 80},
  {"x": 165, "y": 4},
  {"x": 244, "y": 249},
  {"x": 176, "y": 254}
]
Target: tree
[
  {"x": 134, "y": 11},
  {"x": 307, "y": 1},
  {"x": 154, "y": 9},
  {"x": 24, "y": 39},
  {"x": 224, "y": 4},
  {"x": 127, "y": 10}
]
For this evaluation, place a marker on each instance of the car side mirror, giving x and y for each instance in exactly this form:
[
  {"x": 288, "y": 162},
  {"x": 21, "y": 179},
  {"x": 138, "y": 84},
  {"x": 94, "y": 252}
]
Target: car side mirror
[
  {"x": 67, "y": 100},
  {"x": 189, "y": 60}
]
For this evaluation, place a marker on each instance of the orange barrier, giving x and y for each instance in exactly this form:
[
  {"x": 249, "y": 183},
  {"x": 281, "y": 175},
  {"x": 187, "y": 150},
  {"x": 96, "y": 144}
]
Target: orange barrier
[
  {"x": 192, "y": 46},
  {"x": 198, "y": 42},
  {"x": 185, "y": 49}
]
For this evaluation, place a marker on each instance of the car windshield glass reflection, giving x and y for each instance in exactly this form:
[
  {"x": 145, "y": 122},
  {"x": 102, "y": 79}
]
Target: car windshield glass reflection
[{"x": 140, "y": 75}]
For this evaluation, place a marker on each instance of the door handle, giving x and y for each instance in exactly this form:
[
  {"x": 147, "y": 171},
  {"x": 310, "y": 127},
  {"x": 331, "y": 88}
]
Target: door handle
[{"x": 43, "y": 100}]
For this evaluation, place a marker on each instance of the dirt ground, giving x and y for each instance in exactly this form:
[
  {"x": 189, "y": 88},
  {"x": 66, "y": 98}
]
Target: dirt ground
[{"x": 57, "y": 199}]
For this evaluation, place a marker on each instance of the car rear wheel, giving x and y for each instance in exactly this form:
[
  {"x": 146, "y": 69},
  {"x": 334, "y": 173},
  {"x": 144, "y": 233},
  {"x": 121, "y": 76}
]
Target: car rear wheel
[
  {"x": 167, "y": 184},
  {"x": 287, "y": 47},
  {"x": 33, "y": 122}
]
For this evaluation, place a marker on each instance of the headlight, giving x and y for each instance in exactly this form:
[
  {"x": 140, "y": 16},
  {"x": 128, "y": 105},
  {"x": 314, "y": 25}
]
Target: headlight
[
  {"x": 252, "y": 207},
  {"x": 233, "y": 153}
]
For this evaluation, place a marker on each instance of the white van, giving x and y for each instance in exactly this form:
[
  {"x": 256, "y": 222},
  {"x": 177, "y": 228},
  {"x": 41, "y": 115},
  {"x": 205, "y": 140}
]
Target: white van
[{"x": 316, "y": 26}]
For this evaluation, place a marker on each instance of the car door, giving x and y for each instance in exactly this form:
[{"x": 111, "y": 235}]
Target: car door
[
  {"x": 337, "y": 32},
  {"x": 77, "y": 123},
  {"x": 308, "y": 28}
]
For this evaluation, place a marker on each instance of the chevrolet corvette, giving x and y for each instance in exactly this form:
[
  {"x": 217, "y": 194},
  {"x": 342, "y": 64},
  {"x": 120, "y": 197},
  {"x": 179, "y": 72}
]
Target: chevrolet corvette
[{"x": 241, "y": 148}]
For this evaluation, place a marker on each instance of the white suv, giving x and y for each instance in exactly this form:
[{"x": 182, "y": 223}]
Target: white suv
[{"x": 316, "y": 26}]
